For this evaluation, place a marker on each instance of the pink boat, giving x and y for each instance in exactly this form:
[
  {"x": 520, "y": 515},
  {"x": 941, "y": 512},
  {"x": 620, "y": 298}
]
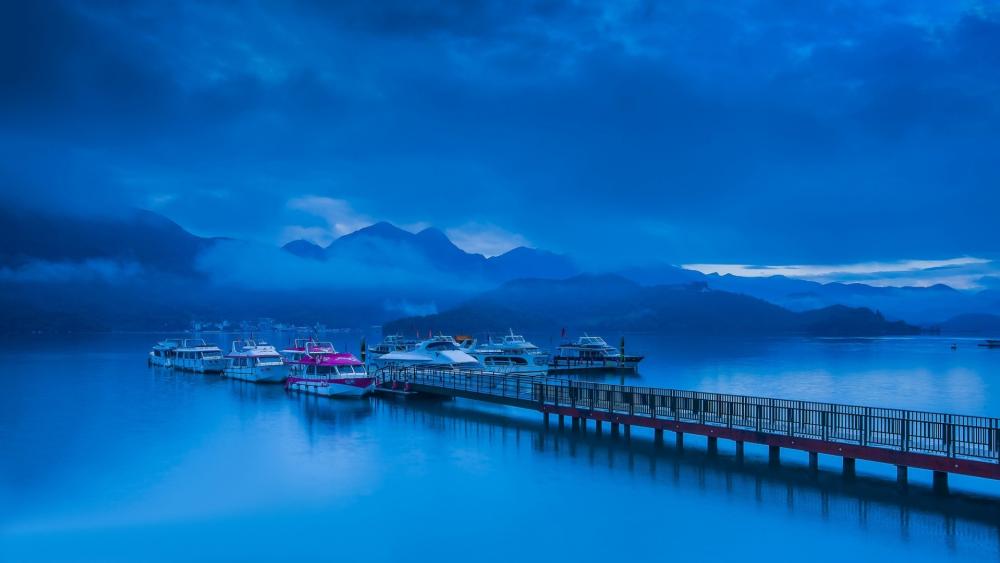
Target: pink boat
[{"x": 319, "y": 369}]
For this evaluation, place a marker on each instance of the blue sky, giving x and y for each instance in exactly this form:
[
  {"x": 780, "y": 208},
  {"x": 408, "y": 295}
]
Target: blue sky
[{"x": 756, "y": 133}]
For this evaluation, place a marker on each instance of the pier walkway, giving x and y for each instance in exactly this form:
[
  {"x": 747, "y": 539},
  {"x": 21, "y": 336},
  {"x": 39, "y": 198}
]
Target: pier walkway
[{"x": 942, "y": 443}]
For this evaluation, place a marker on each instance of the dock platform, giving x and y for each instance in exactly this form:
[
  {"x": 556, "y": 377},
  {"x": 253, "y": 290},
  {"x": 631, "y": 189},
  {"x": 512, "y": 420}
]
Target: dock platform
[{"x": 939, "y": 442}]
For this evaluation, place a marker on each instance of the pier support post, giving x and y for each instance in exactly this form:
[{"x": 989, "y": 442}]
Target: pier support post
[
  {"x": 901, "y": 475},
  {"x": 813, "y": 461},
  {"x": 940, "y": 482},
  {"x": 576, "y": 423},
  {"x": 713, "y": 445},
  {"x": 658, "y": 436},
  {"x": 614, "y": 428},
  {"x": 545, "y": 417},
  {"x": 849, "y": 467},
  {"x": 599, "y": 426},
  {"x": 628, "y": 431},
  {"x": 739, "y": 450},
  {"x": 680, "y": 440},
  {"x": 583, "y": 424},
  {"x": 562, "y": 422},
  {"x": 774, "y": 455}
]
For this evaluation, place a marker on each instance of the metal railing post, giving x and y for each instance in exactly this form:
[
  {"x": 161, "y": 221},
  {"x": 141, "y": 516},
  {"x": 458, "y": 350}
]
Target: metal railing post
[{"x": 905, "y": 437}]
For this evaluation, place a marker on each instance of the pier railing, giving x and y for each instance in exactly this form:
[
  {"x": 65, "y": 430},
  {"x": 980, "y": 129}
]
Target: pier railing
[{"x": 939, "y": 434}]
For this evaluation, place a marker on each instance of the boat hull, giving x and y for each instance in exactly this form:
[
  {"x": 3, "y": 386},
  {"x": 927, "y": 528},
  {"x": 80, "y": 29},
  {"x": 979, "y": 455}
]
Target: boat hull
[
  {"x": 160, "y": 361},
  {"x": 332, "y": 387},
  {"x": 200, "y": 365},
  {"x": 260, "y": 374},
  {"x": 569, "y": 363}
]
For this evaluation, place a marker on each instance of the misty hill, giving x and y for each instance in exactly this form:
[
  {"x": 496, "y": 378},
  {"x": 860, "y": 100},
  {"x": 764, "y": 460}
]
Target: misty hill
[
  {"x": 305, "y": 249},
  {"x": 431, "y": 249},
  {"x": 923, "y": 305},
  {"x": 47, "y": 256},
  {"x": 613, "y": 302},
  {"x": 971, "y": 324},
  {"x": 142, "y": 238}
]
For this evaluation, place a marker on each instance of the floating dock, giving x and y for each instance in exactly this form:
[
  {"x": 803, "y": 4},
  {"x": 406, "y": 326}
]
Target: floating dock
[{"x": 941, "y": 443}]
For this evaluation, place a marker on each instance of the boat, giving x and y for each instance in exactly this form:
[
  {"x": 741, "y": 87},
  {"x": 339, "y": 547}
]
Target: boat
[
  {"x": 592, "y": 353},
  {"x": 300, "y": 348},
  {"x": 438, "y": 351},
  {"x": 391, "y": 343},
  {"x": 990, "y": 344},
  {"x": 163, "y": 353},
  {"x": 321, "y": 370},
  {"x": 194, "y": 354},
  {"x": 257, "y": 362},
  {"x": 510, "y": 354}
]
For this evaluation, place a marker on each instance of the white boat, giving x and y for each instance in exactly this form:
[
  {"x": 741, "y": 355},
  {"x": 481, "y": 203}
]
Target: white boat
[
  {"x": 439, "y": 351},
  {"x": 324, "y": 371},
  {"x": 194, "y": 354},
  {"x": 510, "y": 354},
  {"x": 257, "y": 362},
  {"x": 163, "y": 352},
  {"x": 592, "y": 353}
]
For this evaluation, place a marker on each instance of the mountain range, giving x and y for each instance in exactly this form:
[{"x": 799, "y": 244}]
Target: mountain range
[
  {"x": 601, "y": 302},
  {"x": 926, "y": 306},
  {"x": 64, "y": 271},
  {"x": 431, "y": 248}
]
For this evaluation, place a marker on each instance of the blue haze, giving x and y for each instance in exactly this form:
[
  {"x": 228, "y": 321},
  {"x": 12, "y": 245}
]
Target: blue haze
[{"x": 759, "y": 133}]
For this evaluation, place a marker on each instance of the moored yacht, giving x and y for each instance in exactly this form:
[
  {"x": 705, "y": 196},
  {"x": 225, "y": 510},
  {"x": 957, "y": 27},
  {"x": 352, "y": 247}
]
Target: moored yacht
[
  {"x": 592, "y": 353},
  {"x": 300, "y": 348},
  {"x": 439, "y": 351},
  {"x": 512, "y": 353},
  {"x": 194, "y": 354},
  {"x": 391, "y": 343},
  {"x": 257, "y": 362},
  {"x": 321, "y": 370},
  {"x": 163, "y": 352}
]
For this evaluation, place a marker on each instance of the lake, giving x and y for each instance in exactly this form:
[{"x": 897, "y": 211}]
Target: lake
[{"x": 106, "y": 459}]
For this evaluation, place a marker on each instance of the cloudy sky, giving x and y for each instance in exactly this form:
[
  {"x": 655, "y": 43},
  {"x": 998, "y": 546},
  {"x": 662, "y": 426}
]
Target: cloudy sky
[{"x": 766, "y": 134}]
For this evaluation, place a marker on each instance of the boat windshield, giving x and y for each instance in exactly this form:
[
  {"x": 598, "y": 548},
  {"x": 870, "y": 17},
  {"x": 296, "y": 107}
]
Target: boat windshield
[{"x": 441, "y": 346}]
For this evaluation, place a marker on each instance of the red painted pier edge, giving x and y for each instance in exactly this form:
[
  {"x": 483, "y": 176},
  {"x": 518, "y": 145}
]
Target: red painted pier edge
[{"x": 869, "y": 453}]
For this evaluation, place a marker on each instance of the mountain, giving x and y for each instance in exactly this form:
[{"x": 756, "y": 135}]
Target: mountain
[
  {"x": 923, "y": 305},
  {"x": 972, "y": 324},
  {"x": 431, "y": 249},
  {"x": 523, "y": 262},
  {"x": 590, "y": 302},
  {"x": 305, "y": 249}
]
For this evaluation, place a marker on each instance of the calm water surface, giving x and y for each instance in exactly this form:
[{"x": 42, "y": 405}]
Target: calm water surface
[{"x": 106, "y": 459}]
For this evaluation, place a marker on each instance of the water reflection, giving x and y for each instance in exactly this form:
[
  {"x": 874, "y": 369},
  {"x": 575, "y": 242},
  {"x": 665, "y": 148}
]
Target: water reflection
[{"x": 958, "y": 520}]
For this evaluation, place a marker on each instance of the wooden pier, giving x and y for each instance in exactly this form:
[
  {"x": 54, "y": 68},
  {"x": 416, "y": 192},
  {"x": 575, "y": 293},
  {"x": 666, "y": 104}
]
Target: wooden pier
[{"x": 942, "y": 443}]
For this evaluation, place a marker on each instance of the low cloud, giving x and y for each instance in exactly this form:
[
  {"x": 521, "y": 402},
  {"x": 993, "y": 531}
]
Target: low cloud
[
  {"x": 339, "y": 216},
  {"x": 404, "y": 308},
  {"x": 965, "y": 272},
  {"x": 44, "y": 271},
  {"x": 256, "y": 266},
  {"x": 317, "y": 235},
  {"x": 486, "y": 239}
]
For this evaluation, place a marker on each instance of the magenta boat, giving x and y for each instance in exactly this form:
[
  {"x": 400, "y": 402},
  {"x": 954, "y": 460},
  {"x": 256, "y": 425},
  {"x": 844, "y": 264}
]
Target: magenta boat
[{"x": 319, "y": 369}]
